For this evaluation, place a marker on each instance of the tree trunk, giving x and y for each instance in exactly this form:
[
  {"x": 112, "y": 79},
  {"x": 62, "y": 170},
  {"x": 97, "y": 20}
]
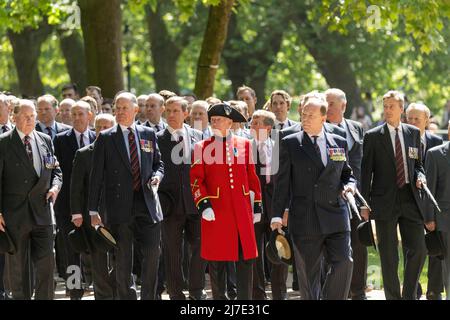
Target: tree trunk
[
  {"x": 251, "y": 72},
  {"x": 212, "y": 46},
  {"x": 165, "y": 52},
  {"x": 26, "y": 51},
  {"x": 73, "y": 50},
  {"x": 101, "y": 22}
]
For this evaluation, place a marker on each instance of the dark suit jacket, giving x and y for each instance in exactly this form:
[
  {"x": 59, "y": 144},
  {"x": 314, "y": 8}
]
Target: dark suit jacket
[
  {"x": 112, "y": 167},
  {"x": 356, "y": 152},
  {"x": 316, "y": 207},
  {"x": 432, "y": 141},
  {"x": 378, "y": 173},
  {"x": 22, "y": 192},
  {"x": 438, "y": 180},
  {"x": 175, "y": 189},
  {"x": 66, "y": 145},
  {"x": 60, "y": 127}
]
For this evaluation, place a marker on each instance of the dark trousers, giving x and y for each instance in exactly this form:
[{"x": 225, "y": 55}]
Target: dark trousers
[
  {"x": 359, "y": 254},
  {"x": 309, "y": 252},
  {"x": 103, "y": 282},
  {"x": 40, "y": 240},
  {"x": 231, "y": 280},
  {"x": 69, "y": 257},
  {"x": 435, "y": 277},
  {"x": 409, "y": 220},
  {"x": 142, "y": 229},
  {"x": 173, "y": 229},
  {"x": 259, "y": 287},
  {"x": 2, "y": 268},
  {"x": 446, "y": 263},
  {"x": 244, "y": 281}
]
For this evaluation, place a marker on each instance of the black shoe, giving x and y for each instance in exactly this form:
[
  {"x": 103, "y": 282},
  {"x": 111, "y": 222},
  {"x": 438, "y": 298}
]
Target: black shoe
[
  {"x": 434, "y": 296},
  {"x": 232, "y": 295},
  {"x": 202, "y": 296},
  {"x": 359, "y": 297}
]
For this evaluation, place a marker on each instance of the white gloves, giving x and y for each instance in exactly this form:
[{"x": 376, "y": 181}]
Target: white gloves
[
  {"x": 256, "y": 218},
  {"x": 208, "y": 214}
]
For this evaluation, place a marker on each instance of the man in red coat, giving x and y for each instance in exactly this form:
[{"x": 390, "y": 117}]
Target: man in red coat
[{"x": 222, "y": 176}]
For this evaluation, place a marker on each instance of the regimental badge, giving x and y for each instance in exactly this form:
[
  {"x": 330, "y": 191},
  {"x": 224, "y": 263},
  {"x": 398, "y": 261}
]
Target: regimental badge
[
  {"x": 227, "y": 109},
  {"x": 146, "y": 145},
  {"x": 413, "y": 153},
  {"x": 337, "y": 154},
  {"x": 197, "y": 194},
  {"x": 50, "y": 162}
]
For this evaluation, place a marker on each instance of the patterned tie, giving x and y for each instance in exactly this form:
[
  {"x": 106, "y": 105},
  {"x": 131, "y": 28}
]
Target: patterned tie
[
  {"x": 82, "y": 140},
  {"x": 317, "y": 148},
  {"x": 399, "y": 165},
  {"x": 49, "y": 131},
  {"x": 5, "y": 129},
  {"x": 134, "y": 159},
  {"x": 422, "y": 149},
  {"x": 28, "y": 148},
  {"x": 180, "y": 140}
]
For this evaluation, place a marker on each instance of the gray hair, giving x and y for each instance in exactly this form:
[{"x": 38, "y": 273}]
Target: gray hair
[
  {"x": 201, "y": 104},
  {"x": 49, "y": 99},
  {"x": 156, "y": 96},
  {"x": 267, "y": 116},
  {"x": 420, "y": 107},
  {"x": 82, "y": 104},
  {"x": 336, "y": 92},
  {"x": 69, "y": 101},
  {"x": 3, "y": 99},
  {"x": 127, "y": 96},
  {"x": 105, "y": 116},
  {"x": 24, "y": 103}
]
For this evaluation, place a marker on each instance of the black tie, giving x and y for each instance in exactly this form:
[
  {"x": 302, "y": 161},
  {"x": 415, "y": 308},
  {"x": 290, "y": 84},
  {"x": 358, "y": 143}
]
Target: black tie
[
  {"x": 180, "y": 140},
  {"x": 422, "y": 149},
  {"x": 5, "y": 129},
  {"x": 81, "y": 140},
  {"x": 157, "y": 128},
  {"x": 281, "y": 126},
  {"x": 49, "y": 132},
  {"x": 28, "y": 148},
  {"x": 317, "y": 148}
]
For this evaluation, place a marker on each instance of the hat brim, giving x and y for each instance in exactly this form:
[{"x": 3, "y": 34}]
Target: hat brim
[
  {"x": 11, "y": 246},
  {"x": 106, "y": 237},
  {"x": 227, "y": 111},
  {"x": 366, "y": 235},
  {"x": 280, "y": 248}
]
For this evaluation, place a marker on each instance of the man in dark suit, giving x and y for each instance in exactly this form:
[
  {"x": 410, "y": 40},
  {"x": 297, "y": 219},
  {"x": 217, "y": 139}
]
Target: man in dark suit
[
  {"x": 266, "y": 154},
  {"x": 47, "y": 109},
  {"x": 127, "y": 165},
  {"x": 315, "y": 174},
  {"x": 280, "y": 103},
  {"x": 418, "y": 115},
  {"x": 391, "y": 176},
  {"x": 337, "y": 104},
  {"x": 180, "y": 214},
  {"x": 66, "y": 145},
  {"x": 154, "y": 108},
  {"x": 79, "y": 192},
  {"x": 437, "y": 167},
  {"x": 31, "y": 178}
]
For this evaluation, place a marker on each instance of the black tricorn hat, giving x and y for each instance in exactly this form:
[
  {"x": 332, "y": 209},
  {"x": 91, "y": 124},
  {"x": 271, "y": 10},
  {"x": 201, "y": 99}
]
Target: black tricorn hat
[
  {"x": 279, "y": 248},
  {"x": 166, "y": 200},
  {"x": 79, "y": 240},
  {"x": 104, "y": 240},
  {"x": 6, "y": 243},
  {"x": 366, "y": 234},
  {"x": 435, "y": 245},
  {"x": 225, "y": 110}
]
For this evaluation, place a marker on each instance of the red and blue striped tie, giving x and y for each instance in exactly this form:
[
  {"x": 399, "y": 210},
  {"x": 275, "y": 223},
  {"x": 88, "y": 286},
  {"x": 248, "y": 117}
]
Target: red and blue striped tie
[{"x": 134, "y": 159}]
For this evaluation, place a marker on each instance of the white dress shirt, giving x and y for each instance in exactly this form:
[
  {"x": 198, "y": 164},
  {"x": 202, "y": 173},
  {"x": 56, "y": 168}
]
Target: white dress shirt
[
  {"x": 402, "y": 142},
  {"x": 52, "y": 126},
  {"x": 285, "y": 124},
  {"x": 322, "y": 143},
  {"x": 85, "y": 137},
  {"x": 126, "y": 132},
  {"x": 37, "y": 162}
]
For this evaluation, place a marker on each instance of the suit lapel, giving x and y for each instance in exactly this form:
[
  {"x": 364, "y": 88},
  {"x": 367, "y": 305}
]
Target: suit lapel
[
  {"x": 407, "y": 138},
  {"x": 73, "y": 140},
  {"x": 43, "y": 151},
  {"x": 446, "y": 151},
  {"x": 330, "y": 144},
  {"x": 91, "y": 136},
  {"x": 117, "y": 135},
  {"x": 19, "y": 149},
  {"x": 353, "y": 131},
  {"x": 308, "y": 147},
  {"x": 387, "y": 142}
]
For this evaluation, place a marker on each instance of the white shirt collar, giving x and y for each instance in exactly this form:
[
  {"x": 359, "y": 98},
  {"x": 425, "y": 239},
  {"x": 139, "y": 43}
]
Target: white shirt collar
[
  {"x": 124, "y": 128},
  {"x": 392, "y": 129},
  {"x": 8, "y": 124},
  {"x": 285, "y": 122},
  {"x": 52, "y": 126},
  {"x": 321, "y": 136},
  {"x": 85, "y": 133},
  {"x": 22, "y": 135}
]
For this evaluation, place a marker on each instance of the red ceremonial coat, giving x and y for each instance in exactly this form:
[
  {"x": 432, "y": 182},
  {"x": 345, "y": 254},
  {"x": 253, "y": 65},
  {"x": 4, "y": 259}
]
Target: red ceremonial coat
[{"x": 223, "y": 173}]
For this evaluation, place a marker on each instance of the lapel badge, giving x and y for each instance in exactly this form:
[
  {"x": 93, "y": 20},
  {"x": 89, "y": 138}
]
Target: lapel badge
[
  {"x": 336, "y": 154},
  {"x": 413, "y": 153}
]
